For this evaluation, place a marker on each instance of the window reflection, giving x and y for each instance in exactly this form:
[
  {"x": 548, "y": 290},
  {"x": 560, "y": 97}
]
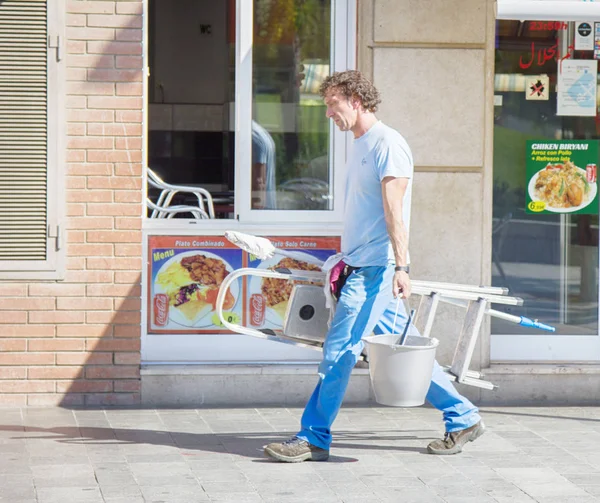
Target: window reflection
[{"x": 291, "y": 48}]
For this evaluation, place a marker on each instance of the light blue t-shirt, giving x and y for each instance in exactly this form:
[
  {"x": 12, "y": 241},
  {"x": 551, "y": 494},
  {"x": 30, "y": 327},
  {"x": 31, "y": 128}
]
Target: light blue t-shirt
[
  {"x": 378, "y": 153},
  {"x": 263, "y": 152}
]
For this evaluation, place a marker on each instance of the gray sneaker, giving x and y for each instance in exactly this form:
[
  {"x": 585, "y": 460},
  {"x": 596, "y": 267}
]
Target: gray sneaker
[
  {"x": 295, "y": 450},
  {"x": 453, "y": 442}
]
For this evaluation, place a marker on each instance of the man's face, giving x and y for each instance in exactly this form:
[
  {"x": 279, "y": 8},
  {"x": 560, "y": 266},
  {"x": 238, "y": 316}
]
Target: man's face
[{"x": 343, "y": 111}]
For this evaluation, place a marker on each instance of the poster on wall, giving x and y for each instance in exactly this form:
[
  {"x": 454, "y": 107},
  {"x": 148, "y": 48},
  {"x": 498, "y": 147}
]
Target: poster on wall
[
  {"x": 584, "y": 36},
  {"x": 576, "y": 88},
  {"x": 562, "y": 177},
  {"x": 185, "y": 274},
  {"x": 268, "y": 297}
]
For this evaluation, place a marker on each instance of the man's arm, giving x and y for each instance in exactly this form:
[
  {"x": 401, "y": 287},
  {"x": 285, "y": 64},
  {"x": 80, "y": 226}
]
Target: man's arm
[{"x": 393, "y": 190}]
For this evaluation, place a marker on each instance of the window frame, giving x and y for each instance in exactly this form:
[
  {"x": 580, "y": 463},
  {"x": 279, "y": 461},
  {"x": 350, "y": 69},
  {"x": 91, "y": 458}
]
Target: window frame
[{"x": 53, "y": 268}]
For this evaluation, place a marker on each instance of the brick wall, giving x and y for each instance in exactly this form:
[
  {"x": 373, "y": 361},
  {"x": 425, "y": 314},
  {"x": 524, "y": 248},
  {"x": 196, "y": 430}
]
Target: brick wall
[{"x": 78, "y": 341}]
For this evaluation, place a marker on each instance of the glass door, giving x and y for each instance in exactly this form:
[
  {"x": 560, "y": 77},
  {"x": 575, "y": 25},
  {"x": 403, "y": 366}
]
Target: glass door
[{"x": 545, "y": 193}]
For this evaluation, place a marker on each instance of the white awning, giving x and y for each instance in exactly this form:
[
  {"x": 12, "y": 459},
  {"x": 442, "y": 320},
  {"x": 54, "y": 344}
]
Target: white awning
[{"x": 548, "y": 10}]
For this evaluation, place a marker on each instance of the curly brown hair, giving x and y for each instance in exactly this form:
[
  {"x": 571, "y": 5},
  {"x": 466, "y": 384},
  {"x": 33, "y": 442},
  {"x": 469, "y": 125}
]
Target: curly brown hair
[{"x": 353, "y": 83}]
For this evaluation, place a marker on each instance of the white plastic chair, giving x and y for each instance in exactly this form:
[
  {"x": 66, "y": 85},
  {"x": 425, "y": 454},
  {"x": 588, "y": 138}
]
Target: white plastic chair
[
  {"x": 171, "y": 211},
  {"x": 169, "y": 190}
]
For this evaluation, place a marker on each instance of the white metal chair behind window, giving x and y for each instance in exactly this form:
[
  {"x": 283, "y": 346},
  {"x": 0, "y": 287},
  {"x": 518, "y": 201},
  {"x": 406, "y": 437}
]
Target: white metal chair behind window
[
  {"x": 205, "y": 201},
  {"x": 171, "y": 211}
]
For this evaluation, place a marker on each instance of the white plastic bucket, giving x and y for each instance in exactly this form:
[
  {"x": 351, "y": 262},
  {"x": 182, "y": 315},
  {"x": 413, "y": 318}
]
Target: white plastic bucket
[{"x": 400, "y": 375}]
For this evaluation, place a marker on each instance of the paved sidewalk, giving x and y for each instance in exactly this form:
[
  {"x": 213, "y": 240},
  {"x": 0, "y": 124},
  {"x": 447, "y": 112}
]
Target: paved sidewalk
[{"x": 54, "y": 455}]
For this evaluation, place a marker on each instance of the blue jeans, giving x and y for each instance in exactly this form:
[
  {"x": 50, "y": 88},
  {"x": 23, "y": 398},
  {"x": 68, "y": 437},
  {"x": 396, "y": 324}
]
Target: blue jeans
[{"x": 367, "y": 305}]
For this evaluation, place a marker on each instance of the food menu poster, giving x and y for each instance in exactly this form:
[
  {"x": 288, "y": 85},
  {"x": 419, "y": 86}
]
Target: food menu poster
[
  {"x": 562, "y": 177},
  {"x": 185, "y": 274}
]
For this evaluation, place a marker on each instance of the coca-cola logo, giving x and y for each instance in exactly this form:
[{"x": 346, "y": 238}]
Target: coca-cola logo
[
  {"x": 257, "y": 310},
  {"x": 161, "y": 309}
]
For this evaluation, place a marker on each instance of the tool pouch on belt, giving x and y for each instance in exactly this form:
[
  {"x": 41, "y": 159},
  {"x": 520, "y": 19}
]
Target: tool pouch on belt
[{"x": 338, "y": 284}]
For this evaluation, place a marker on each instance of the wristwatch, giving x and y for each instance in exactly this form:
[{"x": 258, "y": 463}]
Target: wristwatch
[{"x": 404, "y": 268}]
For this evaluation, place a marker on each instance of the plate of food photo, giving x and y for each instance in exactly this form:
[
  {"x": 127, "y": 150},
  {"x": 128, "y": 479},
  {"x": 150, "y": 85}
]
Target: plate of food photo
[
  {"x": 563, "y": 188},
  {"x": 277, "y": 291},
  {"x": 191, "y": 281}
]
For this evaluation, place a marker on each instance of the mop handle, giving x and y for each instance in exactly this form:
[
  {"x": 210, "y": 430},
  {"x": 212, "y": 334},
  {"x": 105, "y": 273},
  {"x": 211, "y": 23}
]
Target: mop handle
[{"x": 408, "y": 322}]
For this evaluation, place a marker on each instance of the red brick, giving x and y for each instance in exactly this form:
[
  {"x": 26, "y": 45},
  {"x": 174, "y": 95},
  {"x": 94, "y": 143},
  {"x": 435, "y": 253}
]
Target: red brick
[
  {"x": 128, "y": 250},
  {"x": 127, "y": 304},
  {"x": 127, "y": 331},
  {"x": 91, "y": 223},
  {"x": 115, "y": 102},
  {"x": 56, "y": 289},
  {"x": 75, "y": 155},
  {"x": 86, "y": 142},
  {"x": 113, "y": 209},
  {"x": 13, "y": 400},
  {"x": 129, "y": 8},
  {"x": 76, "y": 102},
  {"x": 28, "y": 330},
  {"x": 12, "y": 317},
  {"x": 113, "y": 290},
  {"x": 107, "y": 264},
  {"x": 128, "y": 169},
  {"x": 76, "y": 74},
  {"x": 26, "y": 304},
  {"x": 111, "y": 182},
  {"x": 91, "y": 169},
  {"x": 75, "y": 210},
  {"x": 56, "y": 345},
  {"x": 95, "y": 250},
  {"x": 102, "y": 75},
  {"x": 13, "y": 290},
  {"x": 75, "y": 237},
  {"x": 28, "y": 386},
  {"x": 130, "y": 62},
  {"x": 92, "y": 7},
  {"x": 128, "y": 223},
  {"x": 89, "y": 277},
  {"x": 56, "y": 317},
  {"x": 114, "y": 21},
  {"x": 13, "y": 373},
  {"x": 76, "y": 47},
  {"x": 129, "y": 35},
  {"x": 127, "y": 359},
  {"x": 127, "y": 277},
  {"x": 75, "y": 182},
  {"x": 128, "y": 143},
  {"x": 26, "y": 358},
  {"x": 76, "y": 129},
  {"x": 8, "y": 345},
  {"x": 113, "y": 156},
  {"x": 75, "y": 263},
  {"x": 121, "y": 129},
  {"x": 76, "y": 20},
  {"x": 86, "y": 331},
  {"x": 91, "y": 88},
  {"x": 54, "y": 399},
  {"x": 129, "y": 88},
  {"x": 128, "y": 116},
  {"x": 63, "y": 372},
  {"x": 112, "y": 372},
  {"x": 91, "y": 61},
  {"x": 114, "y": 237},
  {"x": 128, "y": 196},
  {"x": 85, "y": 386},
  {"x": 104, "y": 34},
  {"x": 128, "y": 385},
  {"x": 113, "y": 345},
  {"x": 84, "y": 358},
  {"x": 90, "y": 116},
  {"x": 89, "y": 196},
  {"x": 85, "y": 304},
  {"x": 112, "y": 317}
]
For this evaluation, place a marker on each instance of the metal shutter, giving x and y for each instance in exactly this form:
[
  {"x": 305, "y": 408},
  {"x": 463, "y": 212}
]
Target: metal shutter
[{"x": 23, "y": 130}]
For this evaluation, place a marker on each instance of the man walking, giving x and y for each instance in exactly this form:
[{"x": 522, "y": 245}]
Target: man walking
[{"x": 375, "y": 249}]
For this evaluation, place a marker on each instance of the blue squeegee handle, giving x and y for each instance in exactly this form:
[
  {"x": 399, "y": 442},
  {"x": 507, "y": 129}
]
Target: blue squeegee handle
[{"x": 527, "y": 322}]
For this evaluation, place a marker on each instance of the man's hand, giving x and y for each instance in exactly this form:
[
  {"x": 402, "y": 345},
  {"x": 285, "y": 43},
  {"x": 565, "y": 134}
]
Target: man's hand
[{"x": 401, "y": 285}]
